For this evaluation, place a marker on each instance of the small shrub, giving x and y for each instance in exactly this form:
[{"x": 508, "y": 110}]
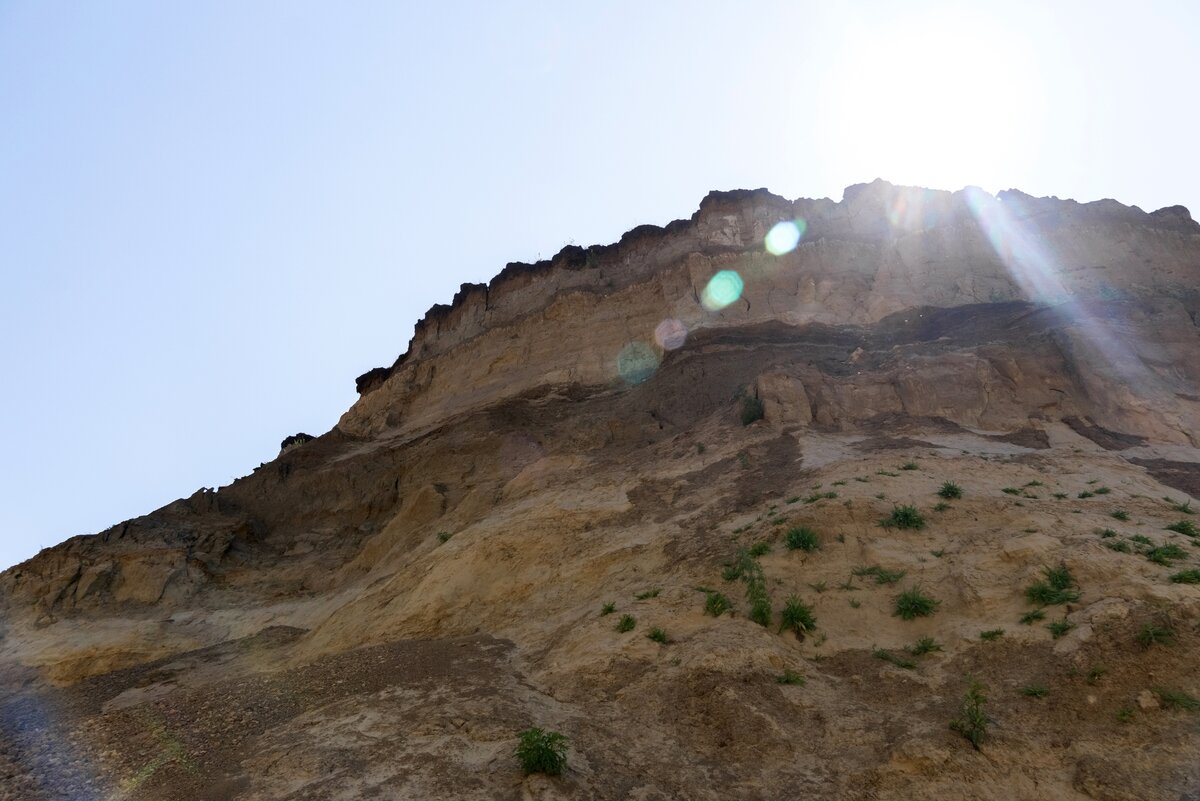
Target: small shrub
[
  {"x": 1029, "y": 618},
  {"x": 839, "y": 483},
  {"x": 941, "y": 506},
  {"x": 1034, "y": 483},
  {"x": 1010, "y": 490},
  {"x": 608, "y": 609},
  {"x": 794, "y": 499},
  {"x": 1183, "y": 508},
  {"x": 797, "y": 616},
  {"x": 855, "y": 604},
  {"x": 1186, "y": 577},
  {"x": 991, "y": 634},
  {"x": 1119, "y": 514},
  {"x": 1086, "y": 494},
  {"x": 912, "y": 603},
  {"x": 1166, "y": 554},
  {"x": 541, "y": 751},
  {"x": 443, "y": 536},
  {"x": 972, "y": 721},
  {"x": 1107, "y": 533},
  {"x": 1057, "y": 588},
  {"x": 1177, "y": 699},
  {"x": 1035, "y": 691},
  {"x": 950, "y": 491},
  {"x": 904, "y": 517},
  {"x": 760, "y": 548},
  {"x": 699, "y": 447},
  {"x": 1062, "y": 496},
  {"x": 1141, "y": 539},
  {"x": 939, "y": 553},
  {"x": 888, "y": 656},
  {"x": 801, "y": 539},
  {"x": 886, "y": 473},
  {"x": 752, "y": 410},
  {"x": 716, "y": 604},
  {"x": 1120, "y": 546},
  {"x": 820, "y": 586},
  {"x": 1185, "y": 527},
  {"x": 791, "y": 677},
  {"x": 626, "y": 623},
  {"x": 1058, "y": 628},
  {"x": 658, "y": 635},
  {"x": 925, "y": 645},
  {"x": 1102, "y": 490},
  {"x": 642, "y": 596},
  {"x": 910, "y": 466},
  {"x": 1095, "y": 672},
  {"x": 760, "y": 610},
  {"x": 1125, "y": 714},
  {"x": 881, "y": 575},
  {"x": 1153, "y": 634}
]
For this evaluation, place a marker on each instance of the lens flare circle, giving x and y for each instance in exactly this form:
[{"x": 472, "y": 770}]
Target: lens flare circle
[
  {"x": 723, "y": 288},
  {"x": 636, "y": 362},
  {"x": 670, "y": 334},
  {"x": 785, "y": 236}
]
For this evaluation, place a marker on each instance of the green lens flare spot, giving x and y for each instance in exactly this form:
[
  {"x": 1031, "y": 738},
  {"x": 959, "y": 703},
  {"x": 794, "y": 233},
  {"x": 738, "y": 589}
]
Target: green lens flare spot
[
  {"x": 636, "y": 362},
  {"x": 723, "y": 288}
]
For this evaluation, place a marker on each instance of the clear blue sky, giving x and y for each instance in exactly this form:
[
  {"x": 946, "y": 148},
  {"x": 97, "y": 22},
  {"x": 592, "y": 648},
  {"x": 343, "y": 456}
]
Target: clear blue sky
[{"x": 213, "y": 216}]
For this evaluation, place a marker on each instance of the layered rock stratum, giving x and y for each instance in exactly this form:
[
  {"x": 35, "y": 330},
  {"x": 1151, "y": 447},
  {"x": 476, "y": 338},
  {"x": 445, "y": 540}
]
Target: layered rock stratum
[{"x": 377, "y": 612}]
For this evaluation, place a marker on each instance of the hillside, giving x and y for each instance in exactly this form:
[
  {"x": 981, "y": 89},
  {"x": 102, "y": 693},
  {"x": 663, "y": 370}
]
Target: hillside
[{"x": 377, "y": 612}]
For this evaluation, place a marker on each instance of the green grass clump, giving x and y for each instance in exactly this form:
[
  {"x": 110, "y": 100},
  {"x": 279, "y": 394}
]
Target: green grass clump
[
  {"x": 1182, "y": 508},
  {"x": 1058, "y": 587},
  {"x": 443, "y": 537},
  {"x": 925, "y": 645},
  {"x": 950, "y": 491},
  {"x": 1119, "y": 514},
  {"x": 1059, "y": 627},
  {"x": 1165, "y": 554},
  {"x": 904, "y": 517},
  {"x": 801, "y": 538},
  {"x": 791, "y": 677},
  {"x": 1153, "y": 634},
  {"x": 716, "y": 604},
  {"x": 1125, "y": 714},
  {"x": 1120, "y": 546},
  {"x": 1185, "y": 527},
  {"x": 910, "y": 466},
  {"x": 991, "y": 634},
  {"x": 1062, "y": 496},
  {"x": 760, "y": 548},
  {"x": 642, "y": 596},
  {"x": 820, "y": 496},
  {"x": 886, "y": 473},
  {"x": 1035, "y": 691},
  {"x": 1186, "y": 577},
  {"x": 1107, "y": 533},
  {"x": 608, "y": 609},
  {"x": 1010, "y": 490},
  {"x": 972, "y": 721},
  {"x": 941, "y": 506},
  {"x": 797, "y": 616},
  {"x": 658, "y": 635},
  {"x": 880, "y": 574},
  {"x": 1102, "y": 490},
  {"x": 626, "y": 623},
  {"x": 912, "y": 603},
  {"x": 541, "y": 751},
  {"x": 1177, "y": 699},
  {"x": 1141, "y": 539},
  {"x": 1029, "y": 618},
  {"x": 888, "y": 656},
  {"x": 752, "y": 410}
]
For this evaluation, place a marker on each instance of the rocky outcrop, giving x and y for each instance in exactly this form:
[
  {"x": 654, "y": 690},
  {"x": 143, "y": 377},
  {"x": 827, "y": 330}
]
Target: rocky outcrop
[{"x": 379, "y": 609}]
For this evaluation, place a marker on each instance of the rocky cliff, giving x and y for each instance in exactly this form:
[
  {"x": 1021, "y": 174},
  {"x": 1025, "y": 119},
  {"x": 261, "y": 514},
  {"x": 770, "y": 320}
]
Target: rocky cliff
[{"x": 379, "y": 610}]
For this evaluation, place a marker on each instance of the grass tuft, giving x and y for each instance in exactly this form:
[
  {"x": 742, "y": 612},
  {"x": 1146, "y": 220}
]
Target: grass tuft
[
  {"x": 658, "y": 635},
  {"x": 1186, "y": 577},
  {"x": 801, "y": 538},
  {"x": 906, "y": 517},
  {"x": 791, "y": 677},
  {"x": 898, "y": 661},
  {"x": 925, "y": 645},
  {"x": 716, "y": 604},
  {"x": 608, "y": 609},
  {"x": 1058, "y": 587},
  {"x": 541, "y": 751},
  {"x": 912, "y": 603},
  {"x": 950, "y": 491},
  {"x": 991, "y": 634},
  {"x": 797, "y": 616},
  {"x": 626, "y": 623},
  {"x": 1035, "y": 691},
  {"x": 1185, "y": 527},
  {"x": 972, "y": 721}
]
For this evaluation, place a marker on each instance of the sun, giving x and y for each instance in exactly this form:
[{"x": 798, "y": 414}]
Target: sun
[{"x": 942, "y": 101}]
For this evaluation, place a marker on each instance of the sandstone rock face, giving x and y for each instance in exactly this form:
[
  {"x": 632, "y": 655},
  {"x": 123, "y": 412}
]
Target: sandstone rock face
[{"x": 378, "y": 611}]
